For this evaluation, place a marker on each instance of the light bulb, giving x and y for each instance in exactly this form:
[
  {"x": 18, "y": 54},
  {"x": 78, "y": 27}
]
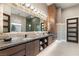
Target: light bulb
[
  {"x": 31, "y": 7},
  {"x": 35, "y": 10},
  {"x": 27, "y": 4},
  {"x": 38, "y": 12}
]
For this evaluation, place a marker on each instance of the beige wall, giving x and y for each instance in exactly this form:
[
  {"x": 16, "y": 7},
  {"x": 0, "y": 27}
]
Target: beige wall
[
  {"x": 7, "y": 8},
  {"x": 1, "y": 18},
  {"x": 4, "y": 8},
  {"x": 69, "y": 13},
  {"x": 60, "y": 25},
  {"x": 20, "y": 20},
  {"x": 59, "y": 15}
]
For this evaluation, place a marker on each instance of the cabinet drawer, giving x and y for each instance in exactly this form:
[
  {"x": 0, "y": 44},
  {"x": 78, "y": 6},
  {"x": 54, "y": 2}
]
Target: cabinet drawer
[
  {"x": 12, "y": 50},
  {"x": 20, "y": 53}
]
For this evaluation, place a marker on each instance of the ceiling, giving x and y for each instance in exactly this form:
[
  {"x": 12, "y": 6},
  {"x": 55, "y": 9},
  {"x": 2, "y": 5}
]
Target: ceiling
[
  {"x": 48, "y": 4},
  {"x": 63, "y": 5},
  {"x": 66, "y": 5}
]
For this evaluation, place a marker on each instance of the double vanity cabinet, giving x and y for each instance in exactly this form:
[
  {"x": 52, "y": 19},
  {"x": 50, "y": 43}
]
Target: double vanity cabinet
[
  {"x": 26, "y": 48},
  {"x": 23, "y": 49}
]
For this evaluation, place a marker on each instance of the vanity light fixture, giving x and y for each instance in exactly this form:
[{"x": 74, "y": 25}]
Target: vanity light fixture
[
  {"x": 23, "y": 4},
  {"x": 29, "y": 25},
  {"x": 31, "y": 7},
  {"x": 28, "y": 5},
  {"x": 44, "y": 15},
  {"x": 41, "y": 13},
  {"x": 35, "y": 10},
  {"x": 38, "y": 11}
]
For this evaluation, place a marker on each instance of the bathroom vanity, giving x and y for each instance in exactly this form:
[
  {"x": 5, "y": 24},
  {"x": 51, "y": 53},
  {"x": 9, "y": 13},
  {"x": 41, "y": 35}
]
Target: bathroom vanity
[{"x": 24, "y": 46}]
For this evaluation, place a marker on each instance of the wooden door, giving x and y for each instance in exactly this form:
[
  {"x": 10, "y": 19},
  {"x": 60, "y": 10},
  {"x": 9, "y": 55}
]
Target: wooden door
[
  {"x": 72, "y": 30},
  {"x": 6, "y": 23}
]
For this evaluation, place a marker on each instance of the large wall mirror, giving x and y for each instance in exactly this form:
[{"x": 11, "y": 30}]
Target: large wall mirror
[{"x": 20, "y": 21}]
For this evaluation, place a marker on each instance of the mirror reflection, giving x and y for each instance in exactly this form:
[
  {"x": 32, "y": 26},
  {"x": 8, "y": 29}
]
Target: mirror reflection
[{"x": 19, "y": 21}]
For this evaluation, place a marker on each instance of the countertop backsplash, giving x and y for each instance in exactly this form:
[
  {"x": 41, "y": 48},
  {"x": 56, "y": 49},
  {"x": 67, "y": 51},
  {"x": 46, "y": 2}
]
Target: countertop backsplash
[{"x": 22, "y": 34}]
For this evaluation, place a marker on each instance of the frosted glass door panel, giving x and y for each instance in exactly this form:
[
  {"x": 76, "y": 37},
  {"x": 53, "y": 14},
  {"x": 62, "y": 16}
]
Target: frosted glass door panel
[
  {"x": 72, "y": 25},
  {"x": 5, "y": 23},
  {"x": 72, "y": 21},
  {"x": 71, "y": 38},
  {"x": 73, "y": 34},
  {"x": 5, "y": 30},
  {"x": 72, "y": 29}
]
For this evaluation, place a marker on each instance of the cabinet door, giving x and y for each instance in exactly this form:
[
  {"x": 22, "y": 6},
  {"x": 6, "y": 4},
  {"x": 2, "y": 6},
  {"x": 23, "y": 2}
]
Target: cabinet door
[
  {"x": 20, "y": 53},
  {"x": 27, "y": 49},
  {"x": 32, "y": 48},
  {"x": 37, "y": 47},
  {"x": 50, "y": 40},
  {"x": 12, "y": 50}
]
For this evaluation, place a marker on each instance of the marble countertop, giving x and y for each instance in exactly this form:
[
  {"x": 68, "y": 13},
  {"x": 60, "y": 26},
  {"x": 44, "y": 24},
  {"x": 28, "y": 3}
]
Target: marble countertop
[{"x": 18, "y": 40}]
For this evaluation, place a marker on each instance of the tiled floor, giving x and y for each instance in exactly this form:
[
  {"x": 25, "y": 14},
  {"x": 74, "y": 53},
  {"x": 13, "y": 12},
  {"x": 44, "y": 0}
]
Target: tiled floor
[{"x": 61, "y": 48}]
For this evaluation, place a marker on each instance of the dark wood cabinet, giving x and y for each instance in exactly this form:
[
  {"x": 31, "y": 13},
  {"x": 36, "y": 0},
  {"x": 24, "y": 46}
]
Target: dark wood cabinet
[
  {"x": 12, "y": 50},
  {"x": 51, "y": 39},
  {"x": 21, "y": 53},
  {"x": 27, "y": 49},
  {"x": 32, "y": 48}
]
